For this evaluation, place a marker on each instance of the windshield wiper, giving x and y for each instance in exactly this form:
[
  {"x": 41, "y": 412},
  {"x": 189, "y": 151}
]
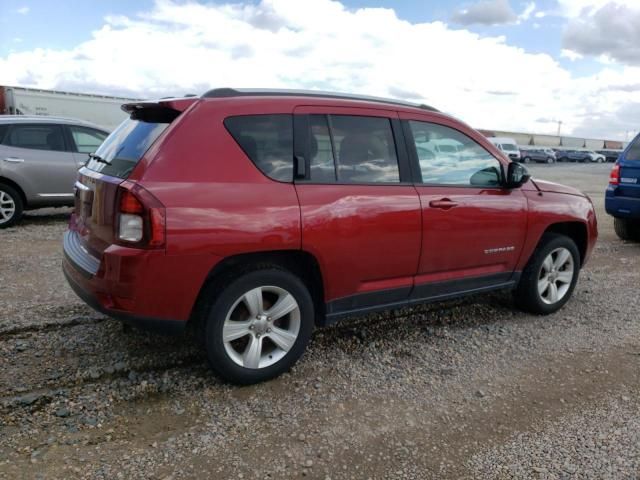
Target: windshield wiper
[{"x": 98, "y": 158}]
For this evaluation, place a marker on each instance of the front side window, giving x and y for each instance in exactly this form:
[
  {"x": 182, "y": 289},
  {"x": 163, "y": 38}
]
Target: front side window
[
  {"x": 35, "y": 137},
  {"x": 469, "y": 165},
  {"x": 268, "y": 142},
  {"x": 87, "y": 140}
]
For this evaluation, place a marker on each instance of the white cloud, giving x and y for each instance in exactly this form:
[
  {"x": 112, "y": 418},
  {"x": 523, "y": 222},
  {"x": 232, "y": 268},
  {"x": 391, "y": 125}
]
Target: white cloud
[
  {"x": 608, "y": 32},
  {"x": 23, "y": 10},
  {"x": 528, "y": 10},
  {"x": 178, "y": 48},
  {"x": 575, "y": 8},
  {"x": 485, "y": 12}
]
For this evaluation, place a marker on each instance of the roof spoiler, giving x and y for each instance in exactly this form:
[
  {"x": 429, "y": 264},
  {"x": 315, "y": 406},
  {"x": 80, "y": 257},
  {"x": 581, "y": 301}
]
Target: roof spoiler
[{"x": 178, "y": 105}]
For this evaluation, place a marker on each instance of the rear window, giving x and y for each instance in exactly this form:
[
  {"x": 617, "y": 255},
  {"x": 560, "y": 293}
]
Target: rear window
[
  {"x": 122, "y": 150},
  {"x": 634, "y": 150},
  {"x": 268, "y": 142}
]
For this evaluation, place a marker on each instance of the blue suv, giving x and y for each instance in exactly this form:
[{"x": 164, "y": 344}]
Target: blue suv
[{"x": 622, "y": 198}]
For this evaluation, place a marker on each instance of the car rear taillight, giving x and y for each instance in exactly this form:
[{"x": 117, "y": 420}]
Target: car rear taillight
[
  {"x": 140, "y": 217},
  {"x": 614, "y": 176}
]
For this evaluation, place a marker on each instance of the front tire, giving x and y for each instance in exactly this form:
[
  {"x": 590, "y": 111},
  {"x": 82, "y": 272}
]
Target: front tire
[
  {"x": 550, "y": 160},
  {"x": 11, "y": 206},
  {"x": 550, "y": 277},
  {"x": 526, "y": 160},
  {"x": 626, "y": 229},
  {"x": 259, "y": 326}
]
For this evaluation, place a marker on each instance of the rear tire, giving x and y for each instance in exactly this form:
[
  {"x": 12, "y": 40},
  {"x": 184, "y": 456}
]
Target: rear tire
[
  {"x": 550, "y": 160},
  {"x": 11, "y": 206},
  {"x": 550, "y": 277},
  {"x": 627, "y": 229},
  {"x": 526, "y": 160},
  {"x": 248, "y": 339}
]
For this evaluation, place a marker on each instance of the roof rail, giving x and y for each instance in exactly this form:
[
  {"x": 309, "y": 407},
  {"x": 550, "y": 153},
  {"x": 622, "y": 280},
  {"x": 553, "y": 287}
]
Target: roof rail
[{"x": 258, "y": 92}]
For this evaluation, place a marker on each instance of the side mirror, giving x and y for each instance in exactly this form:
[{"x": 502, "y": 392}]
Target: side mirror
[{"x": 517, "y": 175}]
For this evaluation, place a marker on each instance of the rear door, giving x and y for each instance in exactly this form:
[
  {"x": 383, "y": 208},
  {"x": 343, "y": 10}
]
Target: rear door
[
  {"x": 39, "y": 155},
  {"x": 473, "y": 229},
  {"x": 360, "y": 213},
  {"x": 630, "y": 171},
  {"x": 84, "y": 140}
]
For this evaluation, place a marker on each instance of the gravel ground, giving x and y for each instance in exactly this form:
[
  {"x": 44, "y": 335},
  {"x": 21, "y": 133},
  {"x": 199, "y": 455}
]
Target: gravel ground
[{"x": 465, "y": 389}]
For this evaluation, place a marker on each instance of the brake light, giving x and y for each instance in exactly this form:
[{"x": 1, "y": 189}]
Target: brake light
[
  {"x": 141, "y": 217},
  {"x": 614, "y": 176}
]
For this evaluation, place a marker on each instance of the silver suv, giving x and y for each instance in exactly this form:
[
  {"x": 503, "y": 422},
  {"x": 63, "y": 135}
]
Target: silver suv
[{"x": 39, "y": 160}]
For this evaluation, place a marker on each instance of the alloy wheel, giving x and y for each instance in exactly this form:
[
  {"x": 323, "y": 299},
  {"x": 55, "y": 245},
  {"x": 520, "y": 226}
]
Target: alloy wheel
[
  {"x": 556, "y": 275},
  {"x": 261, "y": 327},
  {"x": 7, "y": 207}
]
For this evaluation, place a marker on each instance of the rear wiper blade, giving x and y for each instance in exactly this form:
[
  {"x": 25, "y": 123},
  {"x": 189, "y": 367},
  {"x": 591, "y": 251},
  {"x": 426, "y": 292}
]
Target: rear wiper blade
[{"x": 98, "y": 158}]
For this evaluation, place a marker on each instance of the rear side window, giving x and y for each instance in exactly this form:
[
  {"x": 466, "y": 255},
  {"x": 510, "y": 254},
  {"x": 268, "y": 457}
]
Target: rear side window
[
  {"x": 352, "y": 149},
  {"x": 634, "y": 151},
  {"x": 3, "y": 131},
  {"x": 268, "y": 142},
  {"x": 87, "y": 140},
  {"x": 36, "y": 137},
  {"x": 123, "y": 149}
]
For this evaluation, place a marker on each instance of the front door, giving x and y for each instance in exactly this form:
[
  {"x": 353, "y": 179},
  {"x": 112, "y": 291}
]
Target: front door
[
  {"x": 360, "y": 213},
  {"x": 473, "y": 228}
]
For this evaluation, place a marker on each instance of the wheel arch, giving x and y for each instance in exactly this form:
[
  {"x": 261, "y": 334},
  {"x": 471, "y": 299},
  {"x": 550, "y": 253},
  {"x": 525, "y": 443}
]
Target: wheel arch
[
  {"x": 576, "y": 231},
  {"x": 299, "y": 262},
  {"x": 10, "y": 183}
]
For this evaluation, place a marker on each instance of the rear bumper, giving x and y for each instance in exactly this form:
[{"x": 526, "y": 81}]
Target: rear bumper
[
  {"x": 621, "y": 207},
  {"x": 169, "y": 327},
  {"x": 147, "y": 288}
]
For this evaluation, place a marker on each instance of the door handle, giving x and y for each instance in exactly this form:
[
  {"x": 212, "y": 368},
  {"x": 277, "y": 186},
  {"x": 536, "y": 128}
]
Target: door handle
[
  {"x": 444, "y": 204},
  {"x": 13, "y": 159}
]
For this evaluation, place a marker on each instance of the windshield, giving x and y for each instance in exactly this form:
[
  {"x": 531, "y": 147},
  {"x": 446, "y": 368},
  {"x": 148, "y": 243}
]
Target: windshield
[
  {"x": 123, "y": 149},
  {"x": 508, "y": 147}
]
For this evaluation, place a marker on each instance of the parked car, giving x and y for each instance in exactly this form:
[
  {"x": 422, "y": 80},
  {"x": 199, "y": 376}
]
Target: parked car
[
  {"x": 585, "y": 156},
  {"x": 508, "y": 146},
  {"x": 258, "y": 215},
  {"x": 610, "y": 155},
  {"x": 538, "y": 155},
  {"x": 622, "y": 198},
  {"x": 39, "y": 161}
]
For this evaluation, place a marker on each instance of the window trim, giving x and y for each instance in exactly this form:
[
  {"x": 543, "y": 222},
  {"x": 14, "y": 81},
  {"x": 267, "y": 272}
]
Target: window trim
[
  {"x": 65, "y": 140},
  {"x": 402, "y": 156},
  {"x": 415, "y": 162}
]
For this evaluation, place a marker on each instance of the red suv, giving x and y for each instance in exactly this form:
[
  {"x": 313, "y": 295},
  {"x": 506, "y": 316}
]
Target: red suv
[{"x": 258, "y": 215}]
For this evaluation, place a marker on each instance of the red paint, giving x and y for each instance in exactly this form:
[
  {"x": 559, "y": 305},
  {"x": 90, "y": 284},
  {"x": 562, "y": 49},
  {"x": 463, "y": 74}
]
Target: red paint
[{"x": 364, "y": 237}]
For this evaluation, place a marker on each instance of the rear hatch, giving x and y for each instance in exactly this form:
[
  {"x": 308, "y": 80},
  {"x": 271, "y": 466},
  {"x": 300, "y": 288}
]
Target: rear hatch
[
  {"x": 629, "y": 163},
  {"x": 97, "y": 192}
]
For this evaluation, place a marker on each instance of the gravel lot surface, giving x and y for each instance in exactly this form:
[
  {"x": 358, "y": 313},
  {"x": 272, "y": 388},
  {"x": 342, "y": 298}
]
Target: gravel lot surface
[{"x": 465, "y": 389}]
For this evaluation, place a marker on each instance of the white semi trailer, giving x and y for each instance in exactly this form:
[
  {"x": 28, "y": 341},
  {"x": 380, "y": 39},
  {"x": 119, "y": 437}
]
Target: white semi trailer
[{"x": 98, "y": 109}]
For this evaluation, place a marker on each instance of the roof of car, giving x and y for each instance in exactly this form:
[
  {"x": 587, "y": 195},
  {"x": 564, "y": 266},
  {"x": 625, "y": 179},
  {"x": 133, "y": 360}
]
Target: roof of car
[
  {"x": 4, "y": 119},
  {"x": 256, "y": 92}
]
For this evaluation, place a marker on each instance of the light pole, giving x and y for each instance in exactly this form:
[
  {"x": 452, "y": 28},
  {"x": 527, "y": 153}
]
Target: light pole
[{"x": 559, "y": 126}]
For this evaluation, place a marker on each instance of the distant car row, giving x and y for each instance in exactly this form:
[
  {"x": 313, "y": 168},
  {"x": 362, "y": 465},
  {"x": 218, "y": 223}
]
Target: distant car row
[{"x": 528, "y": 154}]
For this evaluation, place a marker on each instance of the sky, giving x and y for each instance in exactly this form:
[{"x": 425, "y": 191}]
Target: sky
[{"x": 522, "y": 65}]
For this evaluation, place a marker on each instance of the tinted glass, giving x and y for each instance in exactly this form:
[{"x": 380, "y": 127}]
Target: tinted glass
[
  {"x": 268, "y": 142},
  {"x": 87, "y": 140},
  {"x": 469, "y": 165},
  {"x": 124, "y": 148},
  {"x": 3, "y": 131},
  {"x": 634, "y": 150},
  {"x": 322, "y": 163},
  {"x": 38, "y": 137},
  {"x": 365, "y": 149}
]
